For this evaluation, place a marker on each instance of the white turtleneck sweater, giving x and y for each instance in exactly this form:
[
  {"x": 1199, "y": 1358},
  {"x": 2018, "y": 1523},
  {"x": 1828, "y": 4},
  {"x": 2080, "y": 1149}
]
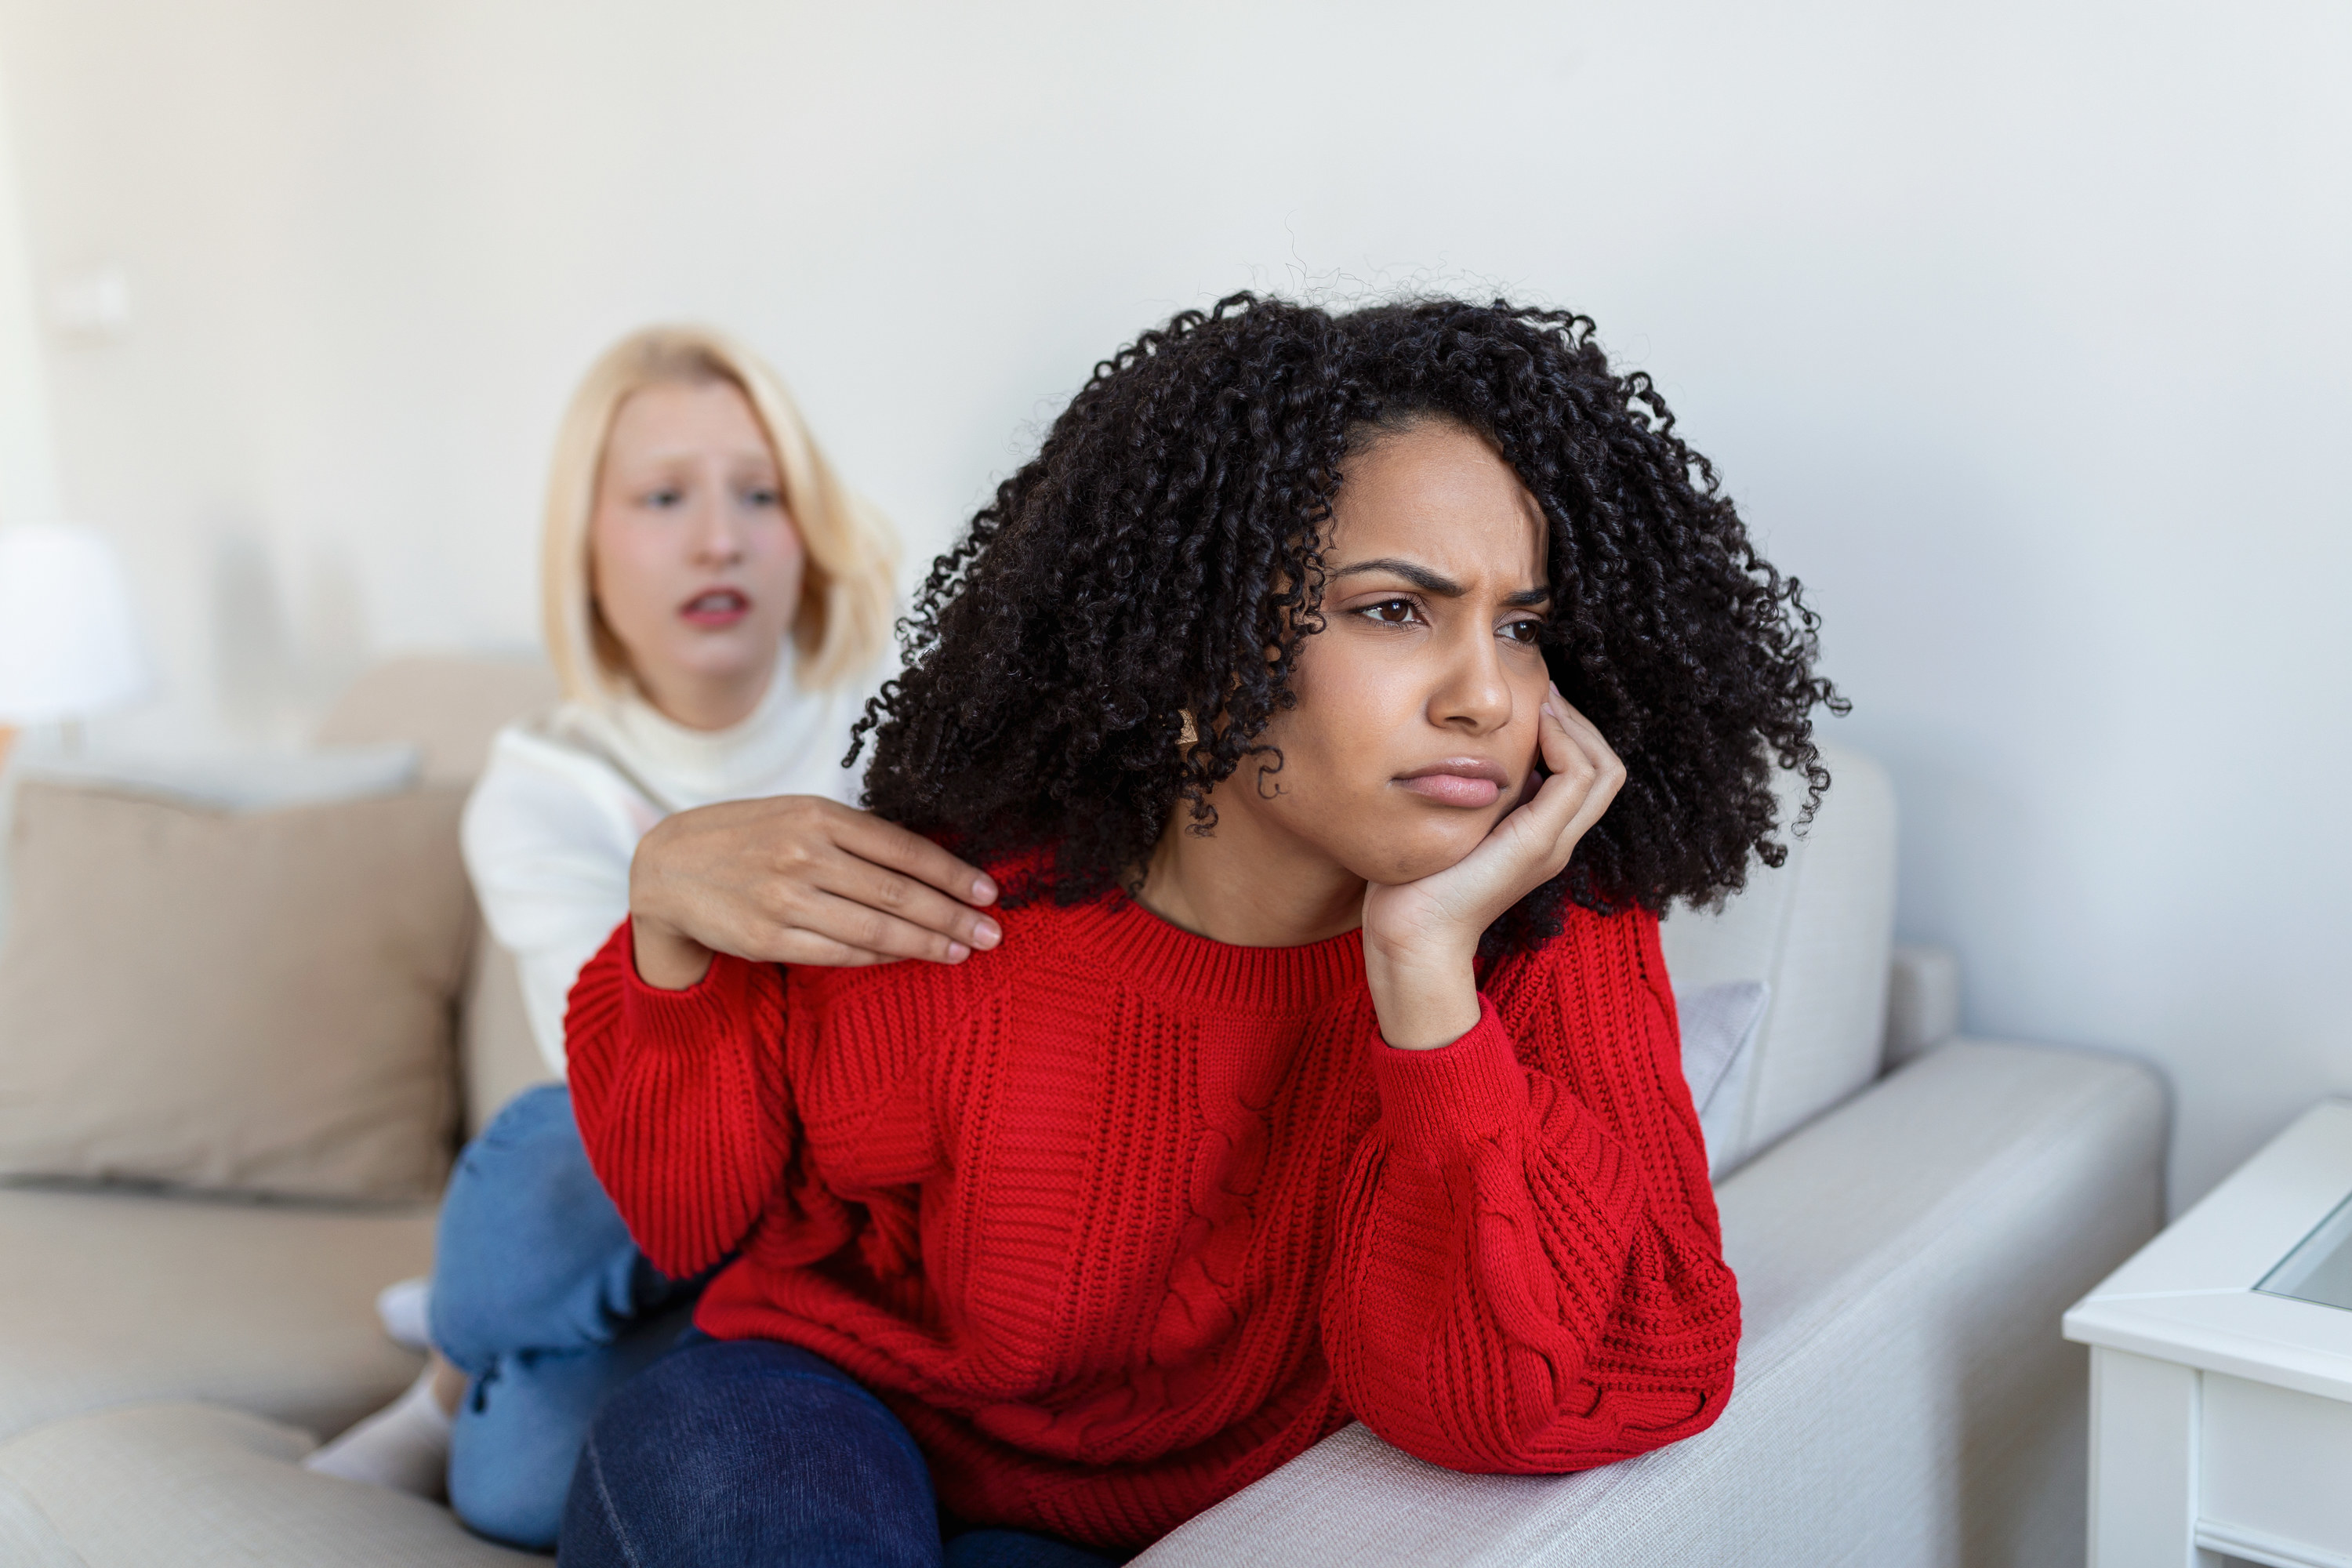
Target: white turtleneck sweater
[{"x": 550, "y": 828}]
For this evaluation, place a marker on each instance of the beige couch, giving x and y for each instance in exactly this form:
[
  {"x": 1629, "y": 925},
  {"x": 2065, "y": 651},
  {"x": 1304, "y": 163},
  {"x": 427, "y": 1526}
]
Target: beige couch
[{"x": 1905, "y": 1241}]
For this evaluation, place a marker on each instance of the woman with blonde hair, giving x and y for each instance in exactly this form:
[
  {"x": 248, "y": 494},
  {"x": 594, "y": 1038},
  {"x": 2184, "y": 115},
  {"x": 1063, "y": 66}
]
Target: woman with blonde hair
[{"x": 717, "y": 605}]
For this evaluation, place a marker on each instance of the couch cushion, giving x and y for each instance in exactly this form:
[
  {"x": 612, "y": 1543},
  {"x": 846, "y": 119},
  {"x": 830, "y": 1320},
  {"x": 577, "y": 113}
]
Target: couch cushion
[
  {"x": 234, "y": 1001},
  {"x": 110, "y": 1298},
  {"x": 1818, "y": 932},
  {"x": 188, "y": 1484}
]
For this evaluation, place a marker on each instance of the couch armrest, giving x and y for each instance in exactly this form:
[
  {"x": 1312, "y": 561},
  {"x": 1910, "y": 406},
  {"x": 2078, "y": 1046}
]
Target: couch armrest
[
  {"x": 1904, "y": 1394},
  {"x": 1923, "y": 1001}
]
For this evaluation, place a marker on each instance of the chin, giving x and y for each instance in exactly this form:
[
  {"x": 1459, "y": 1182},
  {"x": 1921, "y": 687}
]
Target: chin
[
  {"x": 724, "y": 656},
  {"x": 1423, "y": 845}
]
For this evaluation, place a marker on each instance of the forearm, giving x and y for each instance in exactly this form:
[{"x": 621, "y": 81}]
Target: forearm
[
  {"x": 679, "y": 1100},
  {"x": 1507, "y": 1295}
]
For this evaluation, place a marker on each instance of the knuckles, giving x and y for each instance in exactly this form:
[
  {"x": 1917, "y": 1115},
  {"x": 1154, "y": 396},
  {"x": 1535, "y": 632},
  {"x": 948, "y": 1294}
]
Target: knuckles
[{"x": 796, "y": 856}]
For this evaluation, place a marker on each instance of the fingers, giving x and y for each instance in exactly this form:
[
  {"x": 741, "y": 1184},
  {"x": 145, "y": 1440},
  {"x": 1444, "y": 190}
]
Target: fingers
[
  {"x": 1527, "y": 848},
  {"x": 887, "y": 844},
  {"x": 849, "y": 924},
  {"x": 884, "y": 891},
  {"x": 821, "y": 951},
  {"x": 1579, "y": 731},
  {"x": 799, "y": 880},
  {"x": 1586, "y": 776}
]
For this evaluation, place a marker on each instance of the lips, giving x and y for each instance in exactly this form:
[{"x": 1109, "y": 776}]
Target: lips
[
  {"x": 716, "y": 608},
  {"x": 1466, "y": 782}
]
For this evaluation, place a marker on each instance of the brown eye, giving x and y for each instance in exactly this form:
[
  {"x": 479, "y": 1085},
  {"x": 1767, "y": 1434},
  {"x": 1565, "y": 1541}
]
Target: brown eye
[
  {"x": 1525, "y": 633},
  {"x": 1390, "y": 612}
]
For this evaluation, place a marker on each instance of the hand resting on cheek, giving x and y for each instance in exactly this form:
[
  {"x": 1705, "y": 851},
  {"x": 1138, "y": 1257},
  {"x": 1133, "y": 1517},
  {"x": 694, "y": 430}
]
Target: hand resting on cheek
[{"x": 1421, "y": 937}]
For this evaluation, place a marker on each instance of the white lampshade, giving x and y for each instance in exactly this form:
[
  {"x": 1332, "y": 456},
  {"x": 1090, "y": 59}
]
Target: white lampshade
[{"x": 69, "y": 646}]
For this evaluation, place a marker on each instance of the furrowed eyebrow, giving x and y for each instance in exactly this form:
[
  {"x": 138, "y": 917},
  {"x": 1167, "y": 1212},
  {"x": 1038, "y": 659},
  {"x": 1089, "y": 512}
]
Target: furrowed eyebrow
[
  {"x": 1421, "y": 577},
  {"x": 1429, "y": 582}
]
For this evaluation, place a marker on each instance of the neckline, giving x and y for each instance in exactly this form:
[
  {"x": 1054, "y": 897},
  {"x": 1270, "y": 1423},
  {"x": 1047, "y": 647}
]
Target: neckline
[
  {"x": 636, "y": 716},
  {"x": 781, "y": 747},
  {"x": 1158, "y": 956}
]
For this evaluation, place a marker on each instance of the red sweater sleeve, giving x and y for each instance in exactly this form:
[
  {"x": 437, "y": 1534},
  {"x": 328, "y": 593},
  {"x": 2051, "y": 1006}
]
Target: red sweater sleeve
[
  {"x": 681, "y": 1100},
  {"x": 1529, "y": 1276}
]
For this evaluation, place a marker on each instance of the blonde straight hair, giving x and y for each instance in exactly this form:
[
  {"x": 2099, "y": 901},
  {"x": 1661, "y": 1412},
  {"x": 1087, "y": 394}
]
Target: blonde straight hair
[{"x": 844, "y": 617}]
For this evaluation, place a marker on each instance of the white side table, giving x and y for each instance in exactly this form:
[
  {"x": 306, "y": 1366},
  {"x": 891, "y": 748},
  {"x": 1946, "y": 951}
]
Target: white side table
[{"x": 2222, "y": 1370}]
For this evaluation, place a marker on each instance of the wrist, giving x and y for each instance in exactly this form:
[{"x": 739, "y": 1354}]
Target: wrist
[
  {"x": 664, "y": 955},
  {"x": 665, "y": 958},
  {"x": 1424, "y": 1001}
]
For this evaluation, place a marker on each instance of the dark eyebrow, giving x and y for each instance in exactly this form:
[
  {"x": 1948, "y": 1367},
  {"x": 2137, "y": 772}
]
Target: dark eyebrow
[{"x": 1429, "y": 582}]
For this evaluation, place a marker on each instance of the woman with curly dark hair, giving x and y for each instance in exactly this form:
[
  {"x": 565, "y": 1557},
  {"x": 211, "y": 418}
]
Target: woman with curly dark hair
[{"x": 1335, "y": 700}]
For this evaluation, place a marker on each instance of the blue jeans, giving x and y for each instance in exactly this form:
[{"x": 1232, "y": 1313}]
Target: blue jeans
[
  {"x": 750, "y": 1454},
  {"x": 541, "y": 1299}
]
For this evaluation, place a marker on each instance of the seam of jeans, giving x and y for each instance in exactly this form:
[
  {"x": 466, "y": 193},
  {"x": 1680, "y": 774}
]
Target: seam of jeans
[{"x": 604, "y": 1501}]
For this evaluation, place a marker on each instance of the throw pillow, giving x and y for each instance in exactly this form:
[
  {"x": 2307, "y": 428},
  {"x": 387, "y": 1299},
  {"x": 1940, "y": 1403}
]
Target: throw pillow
[
  {"x": 258, "y": 1002},
  {"x": 1720, "y": 1024}
]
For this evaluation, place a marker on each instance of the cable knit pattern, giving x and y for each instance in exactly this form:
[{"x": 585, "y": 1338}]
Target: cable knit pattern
[{"x": 1117, "y": 1219}]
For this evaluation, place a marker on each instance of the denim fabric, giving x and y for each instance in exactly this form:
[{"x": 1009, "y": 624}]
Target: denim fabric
[
  {"x": 732, "y": 1454},
  {"x": 539, "y": 1296},
  {"x": 1018, "y": 1549}
]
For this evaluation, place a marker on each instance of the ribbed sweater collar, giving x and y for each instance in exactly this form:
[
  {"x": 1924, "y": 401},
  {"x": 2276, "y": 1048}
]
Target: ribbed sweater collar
[
  {"x": 790, "y": 731},
  {"x": 1152, "y": 956}
]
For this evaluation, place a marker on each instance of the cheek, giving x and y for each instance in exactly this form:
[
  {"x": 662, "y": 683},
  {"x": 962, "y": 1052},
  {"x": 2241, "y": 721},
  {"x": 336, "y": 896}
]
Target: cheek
[
  {"x": 777, "y": 560},
  {"x": 1527, "y": 722},
  {"x": 1328, "y": 774},
  {"x": 1343, "y": 744},
  {"x": 1351, "y": 706},
  {"x": 1339, "y": 750},
  {"x": 627, "y": 572}
]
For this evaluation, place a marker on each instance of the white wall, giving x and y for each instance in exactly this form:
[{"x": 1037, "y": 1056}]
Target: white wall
[
  {"x": 28, "y": 464},
  {"x": 2019, "y": 330}
]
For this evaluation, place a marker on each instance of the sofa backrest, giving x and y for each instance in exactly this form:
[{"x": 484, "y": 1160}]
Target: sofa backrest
[
  {"x": 1819, "y": 932},
  {"x": 449, "y": 708}
]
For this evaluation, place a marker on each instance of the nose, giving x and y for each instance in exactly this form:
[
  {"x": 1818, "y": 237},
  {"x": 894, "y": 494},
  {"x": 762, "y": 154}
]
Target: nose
[
  {"x": 1473, "y": 693},
  {"x": 716, "y": 533}
]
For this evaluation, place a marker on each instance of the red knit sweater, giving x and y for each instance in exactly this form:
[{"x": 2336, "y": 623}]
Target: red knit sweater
[{"x": 1117, "y": 1219}]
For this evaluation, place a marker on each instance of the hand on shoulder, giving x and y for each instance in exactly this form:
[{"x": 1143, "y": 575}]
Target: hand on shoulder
[{"x": 798, "y": 879}]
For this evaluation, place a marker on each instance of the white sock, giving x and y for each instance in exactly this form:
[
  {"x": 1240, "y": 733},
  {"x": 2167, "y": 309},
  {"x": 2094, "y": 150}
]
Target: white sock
[
  {"x": 400, "y": 1307},
  {"x": 404, "y": 1446}
]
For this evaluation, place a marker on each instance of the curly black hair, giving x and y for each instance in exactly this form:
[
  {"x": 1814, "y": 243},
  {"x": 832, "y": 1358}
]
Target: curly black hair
[{"x": 1163, "y": 555}]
